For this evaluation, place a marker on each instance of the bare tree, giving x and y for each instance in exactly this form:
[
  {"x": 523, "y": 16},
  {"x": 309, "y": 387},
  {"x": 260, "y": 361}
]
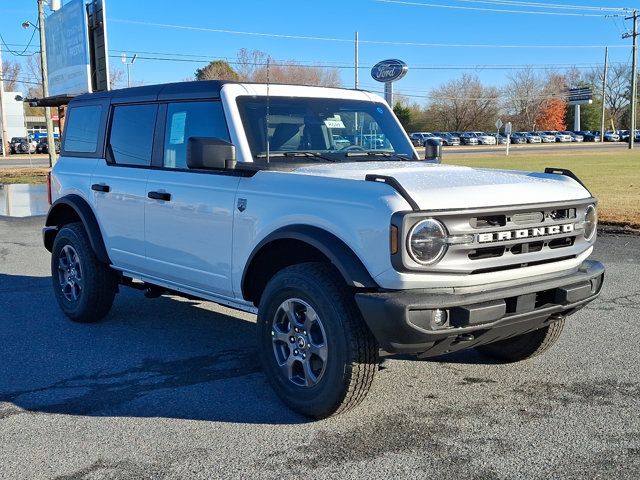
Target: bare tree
[
  {"x": 117, "y": 78},
  {"x": 617, "y": 89},
  {"x": 528, "y": 94},
  {"x": 10, "y": 73},
  {"x": 251, "y": 66},
  {"x": 465, "y": 104}
]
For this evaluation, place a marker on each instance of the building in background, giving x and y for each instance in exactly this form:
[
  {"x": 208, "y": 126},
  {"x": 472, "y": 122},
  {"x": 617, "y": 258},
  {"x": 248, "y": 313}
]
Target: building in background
[{"x": 14, "y": 113}]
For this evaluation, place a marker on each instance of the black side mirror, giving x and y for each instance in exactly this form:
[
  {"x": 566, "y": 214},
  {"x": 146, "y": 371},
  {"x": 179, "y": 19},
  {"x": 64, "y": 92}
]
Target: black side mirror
[
  {"x": 210, "y": 153},
  {"x": 433, "y": 150}
]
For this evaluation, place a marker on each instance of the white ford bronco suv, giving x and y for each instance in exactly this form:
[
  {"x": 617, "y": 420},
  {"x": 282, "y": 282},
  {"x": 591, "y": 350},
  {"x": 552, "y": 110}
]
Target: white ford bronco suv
[{"x": 310, "y": 207}]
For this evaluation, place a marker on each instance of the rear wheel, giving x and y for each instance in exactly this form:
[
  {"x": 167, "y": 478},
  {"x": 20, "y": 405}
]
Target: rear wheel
[
  {"x": 83, "y": 286},
  {"x": 524, "y": 346},
  {"x": 316, "y": 351}
]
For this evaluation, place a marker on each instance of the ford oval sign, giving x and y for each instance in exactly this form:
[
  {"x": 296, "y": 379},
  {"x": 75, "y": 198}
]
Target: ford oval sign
[{"x": 389, "y": 70}]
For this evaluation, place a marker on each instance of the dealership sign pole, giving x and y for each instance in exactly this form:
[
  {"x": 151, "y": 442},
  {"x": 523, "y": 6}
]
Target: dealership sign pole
[
  {"x": 577, "y": 97},
  {"x": 387, "y": 72}
]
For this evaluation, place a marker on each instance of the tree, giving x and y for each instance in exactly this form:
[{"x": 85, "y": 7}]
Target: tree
[
  {"x": 217, "y": 70},
  {"x": 552, "y": 115},
  {"x": 258, "y": 66},
  {"x": 617, "y": 90},
  {"x": 531, "y": 96},
  {"x": 10, "y": 73},
  {"x": 465, "y": 104},
  {"x": 403, "y": 114}
]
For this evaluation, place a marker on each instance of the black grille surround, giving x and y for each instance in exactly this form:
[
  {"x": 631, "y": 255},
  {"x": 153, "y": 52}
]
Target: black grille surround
[{"x": 491, "y": 249}]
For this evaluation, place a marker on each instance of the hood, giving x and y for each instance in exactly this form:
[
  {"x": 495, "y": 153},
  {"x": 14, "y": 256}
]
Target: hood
[{"x": 435, "y": 186}]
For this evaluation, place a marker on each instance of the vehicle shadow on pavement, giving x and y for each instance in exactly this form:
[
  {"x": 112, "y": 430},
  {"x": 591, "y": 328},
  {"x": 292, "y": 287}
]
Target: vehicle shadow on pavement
[{"x": 164, "y": 357}]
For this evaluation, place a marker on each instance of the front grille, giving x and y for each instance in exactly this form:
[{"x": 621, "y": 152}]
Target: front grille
[{"x": 512, "y": 237}]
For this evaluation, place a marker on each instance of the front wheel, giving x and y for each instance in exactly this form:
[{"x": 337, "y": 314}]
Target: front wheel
[
  {"x": 83, "y": 286},
  {"x": 316, "y": 351},
  {"x": 524, "y": 346}
]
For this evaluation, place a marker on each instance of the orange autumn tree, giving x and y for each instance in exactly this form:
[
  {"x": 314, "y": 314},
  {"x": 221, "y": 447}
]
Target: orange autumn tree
[{"x": 552, "y": 115}]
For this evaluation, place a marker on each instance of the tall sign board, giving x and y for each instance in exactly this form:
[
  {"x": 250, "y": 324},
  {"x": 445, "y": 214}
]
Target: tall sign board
[
  {"x": 98, "y": 49},
  {"x": 68, "y": 59},
  {"x": 387, "y": 72},
  {"x": 577, "y": 97}
]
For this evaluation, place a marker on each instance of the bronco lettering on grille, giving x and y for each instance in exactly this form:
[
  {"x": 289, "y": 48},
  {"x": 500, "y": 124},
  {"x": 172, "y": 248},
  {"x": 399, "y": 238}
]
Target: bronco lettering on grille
[{"x": 524, "y": 233}]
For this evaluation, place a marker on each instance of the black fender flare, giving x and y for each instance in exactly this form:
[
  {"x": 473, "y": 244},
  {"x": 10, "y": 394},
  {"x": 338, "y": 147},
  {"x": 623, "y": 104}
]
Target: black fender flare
[
  {"x": 82, "y": 209},
  {"x": 338, "y": 252}
]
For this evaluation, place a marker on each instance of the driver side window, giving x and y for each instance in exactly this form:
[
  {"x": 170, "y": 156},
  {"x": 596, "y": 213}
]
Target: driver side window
[{"x": 191, "y": 119}]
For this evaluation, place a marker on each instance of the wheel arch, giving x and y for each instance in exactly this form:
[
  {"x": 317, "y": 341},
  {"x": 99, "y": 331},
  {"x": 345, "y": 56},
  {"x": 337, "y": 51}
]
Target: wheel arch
[
  {"x": 296, "y": 244},
  {"x": 69, "y": 209}
]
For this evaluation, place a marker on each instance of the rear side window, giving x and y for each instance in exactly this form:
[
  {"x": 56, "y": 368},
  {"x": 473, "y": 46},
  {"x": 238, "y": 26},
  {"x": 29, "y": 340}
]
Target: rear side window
[
  {"x": 190, "y": 119},
  {"x": 131, "y": 137},
  {"x": 83, "y": 124}
]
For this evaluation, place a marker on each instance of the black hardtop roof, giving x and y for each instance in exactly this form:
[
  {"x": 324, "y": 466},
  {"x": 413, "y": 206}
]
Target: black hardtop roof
[{"x": 165, "y": 91}]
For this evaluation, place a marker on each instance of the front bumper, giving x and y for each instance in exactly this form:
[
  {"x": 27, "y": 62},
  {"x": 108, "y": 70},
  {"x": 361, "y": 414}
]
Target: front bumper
[{"x": 403, "y": 320}]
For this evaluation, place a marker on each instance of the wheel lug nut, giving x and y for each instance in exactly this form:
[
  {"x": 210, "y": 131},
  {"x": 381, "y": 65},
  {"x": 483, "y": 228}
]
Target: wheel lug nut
[
  {"x": 304, "y": 356},
  {"x": 295, "y": 352},
  {"x": 273, "y": 334},
  {"x": 304, "y": 333},
  {"x": 292, "y": 339}
]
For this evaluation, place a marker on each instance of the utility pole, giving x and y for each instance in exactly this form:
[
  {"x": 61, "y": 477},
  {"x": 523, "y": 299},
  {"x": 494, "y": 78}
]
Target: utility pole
[
  {"x": 604, "y": 91},
  {"x": 356, "y": 73},
  {"x": 45, "y": 84},
  {"x": 632, "y": 127},
  {"x": 3, "y": 115}
]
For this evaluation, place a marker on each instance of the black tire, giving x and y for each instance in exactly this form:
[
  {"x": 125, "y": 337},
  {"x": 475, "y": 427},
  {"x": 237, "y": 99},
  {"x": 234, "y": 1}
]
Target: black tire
[
  {"x": 96, "y": 283},
  {"x": 24, "y": 147},
  {"x": 343, "y": 380},
  {"x": 524, "y": 346}
]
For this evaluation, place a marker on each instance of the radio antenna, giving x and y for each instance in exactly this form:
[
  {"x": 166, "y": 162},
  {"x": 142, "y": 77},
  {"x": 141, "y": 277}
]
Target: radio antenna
[{"x": 267, "y": 119}]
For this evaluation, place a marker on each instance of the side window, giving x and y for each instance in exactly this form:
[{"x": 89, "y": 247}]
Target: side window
[
  {"x": 190, "y": 119},
  {"x": 81, "y": 131},
  {"x": 131, "y": 138}
]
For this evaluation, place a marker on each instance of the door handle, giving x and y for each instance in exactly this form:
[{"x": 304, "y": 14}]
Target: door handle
[
  {"x": 100, "y": 187},
  {"x": 160, "y": 196}
]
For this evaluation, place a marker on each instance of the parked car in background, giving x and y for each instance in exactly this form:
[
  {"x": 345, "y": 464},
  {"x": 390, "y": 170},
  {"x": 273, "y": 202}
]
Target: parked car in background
[
  {"x": 589, "y": 136},
  {"x": 484, "y": 138},
  {"x": 418, "y": 138},
  {"x": 574, "y": 136},
  {"x": 561, "y": 137},
  {"x": 611, "y": 136},
  {"x": 546, "y": 137},
  {"x": 518, "y": 137},
  {"x": 532, "y": 137},
  {"x": 43, "y": 145},
  {"x": 501, "y": 139},
  {"x": 448, "y": 139},
  {"x": 468, "y": 138}
]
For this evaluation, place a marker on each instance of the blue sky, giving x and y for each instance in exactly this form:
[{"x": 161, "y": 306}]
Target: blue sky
[{"x": 374, "y": 20}]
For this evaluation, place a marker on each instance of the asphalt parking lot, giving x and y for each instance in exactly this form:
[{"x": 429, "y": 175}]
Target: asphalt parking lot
[{"x": 170, "y": 388}]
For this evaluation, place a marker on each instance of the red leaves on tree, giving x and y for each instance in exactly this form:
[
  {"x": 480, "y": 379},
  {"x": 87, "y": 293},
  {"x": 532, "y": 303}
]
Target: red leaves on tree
[{"x": 552, "y": 116}]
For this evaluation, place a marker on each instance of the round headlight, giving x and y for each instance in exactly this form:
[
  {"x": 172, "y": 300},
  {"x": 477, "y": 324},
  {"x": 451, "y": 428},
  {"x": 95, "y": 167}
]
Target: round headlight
[
  {"x": 590, "y": 222},
  {"x": 427, "y": 241}
]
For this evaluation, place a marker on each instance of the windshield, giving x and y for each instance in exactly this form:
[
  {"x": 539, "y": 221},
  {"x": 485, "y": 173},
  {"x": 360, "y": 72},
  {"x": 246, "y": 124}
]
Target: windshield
[{"x": 335, "y": 129}]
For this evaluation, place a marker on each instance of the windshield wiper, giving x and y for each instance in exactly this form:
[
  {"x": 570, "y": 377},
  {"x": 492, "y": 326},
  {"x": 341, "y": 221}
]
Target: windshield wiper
[
  {"x": 376, "y": 153},
  {"x": 311, "y": 155}
]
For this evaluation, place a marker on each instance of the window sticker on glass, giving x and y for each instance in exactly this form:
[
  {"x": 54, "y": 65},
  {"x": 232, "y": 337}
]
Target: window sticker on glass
[
  {"x": 178, "y": 121},
  {"x": 335, "y": 122}
]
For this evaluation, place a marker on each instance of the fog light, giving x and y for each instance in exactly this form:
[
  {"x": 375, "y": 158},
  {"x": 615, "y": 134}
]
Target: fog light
[{"x": 439, "y": 318}]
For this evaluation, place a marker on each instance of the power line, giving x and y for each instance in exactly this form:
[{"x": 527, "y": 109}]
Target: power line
[
  {"x": 349, "y": 40},
  {"x": 20, "y": 54},
  {"x": 559, "y": 6},
  {"x": 484, "y": 9}
]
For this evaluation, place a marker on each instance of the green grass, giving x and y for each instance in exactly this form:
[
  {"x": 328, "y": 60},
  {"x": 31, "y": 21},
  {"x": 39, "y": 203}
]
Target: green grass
[
  {"x": 23, "y": 175},
  {"x": 613, "y": 177}
]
